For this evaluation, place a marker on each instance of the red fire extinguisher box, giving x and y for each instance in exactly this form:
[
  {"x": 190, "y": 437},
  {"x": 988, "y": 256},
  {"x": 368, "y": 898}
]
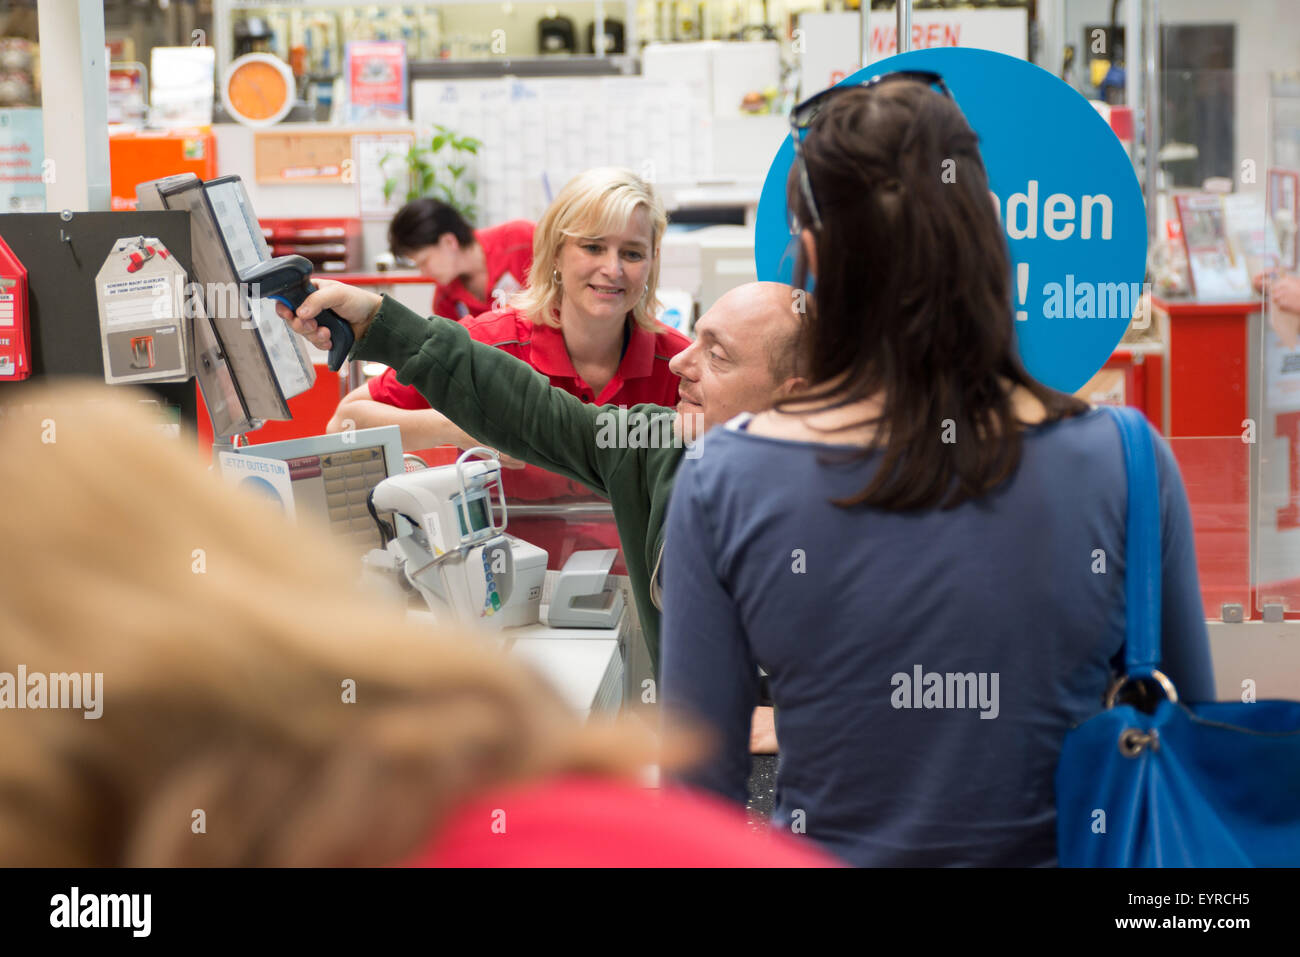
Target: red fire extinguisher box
[{"x": 15, "y": 326}]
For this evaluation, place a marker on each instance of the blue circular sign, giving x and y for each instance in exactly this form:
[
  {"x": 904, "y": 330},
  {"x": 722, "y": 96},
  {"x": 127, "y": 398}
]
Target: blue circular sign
[{"x": 1070, "y": 202}]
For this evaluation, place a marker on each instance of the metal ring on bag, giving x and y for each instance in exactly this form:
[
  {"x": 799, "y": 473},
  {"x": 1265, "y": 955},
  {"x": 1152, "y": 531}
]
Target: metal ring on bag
[
  {"x": 1132, "y": 741},
  {"x": 1166, "y": 685}
]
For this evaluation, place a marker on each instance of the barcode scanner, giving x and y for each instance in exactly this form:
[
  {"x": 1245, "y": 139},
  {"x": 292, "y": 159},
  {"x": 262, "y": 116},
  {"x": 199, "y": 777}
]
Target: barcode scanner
[{"x": 287, "y": 280}]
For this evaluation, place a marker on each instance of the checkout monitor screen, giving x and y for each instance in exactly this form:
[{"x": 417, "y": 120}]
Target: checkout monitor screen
[
  {"x": 233, "y": 212},
  {"x": 478, "y": 515},
  {"x": 332, "y": 477},
  {"x": 236, "y": 222},
  {"x": 214, "y": 270}
]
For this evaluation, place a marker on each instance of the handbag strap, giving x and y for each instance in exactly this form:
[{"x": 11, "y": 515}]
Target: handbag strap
[{"x": 1142, "y": 564}]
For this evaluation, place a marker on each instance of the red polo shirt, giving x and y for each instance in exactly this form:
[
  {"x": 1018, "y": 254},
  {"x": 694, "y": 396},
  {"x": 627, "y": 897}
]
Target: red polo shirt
[
  {"x": 586, "y": 821},
  {"x": 642, "y": 376},
  {"x": 508, "y": 251}
]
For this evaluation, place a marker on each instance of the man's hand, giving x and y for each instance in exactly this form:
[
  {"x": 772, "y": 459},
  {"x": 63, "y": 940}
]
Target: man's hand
[
  {"x": 1286, "y": 293},
  {"x": 1287, "y": 326},
  {"x": 1284, "y": 315},
  {"x": 762, "y": 731},
  {"x": 357, "y": 307}
]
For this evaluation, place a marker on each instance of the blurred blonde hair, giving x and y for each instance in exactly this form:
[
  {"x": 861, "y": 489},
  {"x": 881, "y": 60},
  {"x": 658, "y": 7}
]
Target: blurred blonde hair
[
  {"x": 224, "y": 636},
  {"x": 594, "y": 203}
]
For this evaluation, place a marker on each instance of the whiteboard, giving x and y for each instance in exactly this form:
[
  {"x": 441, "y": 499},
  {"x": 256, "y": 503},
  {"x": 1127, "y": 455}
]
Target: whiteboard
[{"x": 539, "y": 133}]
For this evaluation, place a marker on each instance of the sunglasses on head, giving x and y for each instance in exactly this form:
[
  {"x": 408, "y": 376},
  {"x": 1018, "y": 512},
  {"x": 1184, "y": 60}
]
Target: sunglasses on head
[{"x": 802, "y": 116}]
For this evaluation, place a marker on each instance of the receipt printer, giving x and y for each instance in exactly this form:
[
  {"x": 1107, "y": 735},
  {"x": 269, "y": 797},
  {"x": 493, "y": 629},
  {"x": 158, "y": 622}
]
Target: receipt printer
[{"x": 584, "y": 595}]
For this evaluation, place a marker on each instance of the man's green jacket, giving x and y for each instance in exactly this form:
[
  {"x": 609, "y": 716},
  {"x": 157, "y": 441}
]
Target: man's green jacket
[{"x": 506, "y": 404}]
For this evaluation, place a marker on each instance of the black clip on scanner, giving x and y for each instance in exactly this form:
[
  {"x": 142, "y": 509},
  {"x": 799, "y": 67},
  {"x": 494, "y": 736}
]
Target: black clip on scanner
[{"x": 286, "y": 279}]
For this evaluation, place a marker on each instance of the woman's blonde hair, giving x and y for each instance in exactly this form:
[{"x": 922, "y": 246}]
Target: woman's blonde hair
[
  {"x": 258, "y": 706},
  {"x": 592, "y": 204}
]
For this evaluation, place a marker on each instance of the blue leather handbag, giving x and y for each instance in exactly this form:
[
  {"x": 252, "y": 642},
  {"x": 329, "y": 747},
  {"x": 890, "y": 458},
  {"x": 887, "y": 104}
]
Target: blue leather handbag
[{"x": 1177, "y": 785}]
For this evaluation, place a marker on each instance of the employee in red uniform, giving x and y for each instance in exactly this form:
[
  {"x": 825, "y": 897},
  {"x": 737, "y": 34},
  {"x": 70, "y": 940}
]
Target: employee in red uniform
[
  {"x": 585, "y": 320},
  {"x": 475, "y": 270}
]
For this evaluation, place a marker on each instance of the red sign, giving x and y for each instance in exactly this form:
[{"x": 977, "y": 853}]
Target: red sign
[
  {"x": 377, "y": 75},
  {"x": 884, "y": 40},
  {"x": 15, "y": 328}
]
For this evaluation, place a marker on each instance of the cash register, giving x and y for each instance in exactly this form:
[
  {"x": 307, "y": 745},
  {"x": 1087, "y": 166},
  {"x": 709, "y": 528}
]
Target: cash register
[{"x": 455, "y": 552}]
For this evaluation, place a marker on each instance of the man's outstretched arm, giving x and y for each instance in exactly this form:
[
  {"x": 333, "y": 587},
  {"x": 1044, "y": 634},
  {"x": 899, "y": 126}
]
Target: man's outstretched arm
[{"x": 488, "y": 393}]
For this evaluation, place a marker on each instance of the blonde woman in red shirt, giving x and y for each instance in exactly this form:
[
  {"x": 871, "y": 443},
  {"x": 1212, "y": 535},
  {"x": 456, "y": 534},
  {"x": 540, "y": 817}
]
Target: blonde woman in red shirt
[{"x": 586, "y": 320}]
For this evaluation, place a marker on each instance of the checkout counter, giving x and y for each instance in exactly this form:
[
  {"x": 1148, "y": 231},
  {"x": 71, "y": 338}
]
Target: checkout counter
[
  {"x": 441, "y": 531},
  {"x": 447, "y": 555},
  {"x": 571, "y": 625},
  {"x": 588, "y": 667}
]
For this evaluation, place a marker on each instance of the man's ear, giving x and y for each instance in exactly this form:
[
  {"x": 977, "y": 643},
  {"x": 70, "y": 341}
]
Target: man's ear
[{"x": 795, "y": 383}]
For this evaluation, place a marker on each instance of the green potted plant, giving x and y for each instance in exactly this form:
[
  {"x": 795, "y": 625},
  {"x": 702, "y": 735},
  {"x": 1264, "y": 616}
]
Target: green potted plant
[{"x": 440, "y": 170}]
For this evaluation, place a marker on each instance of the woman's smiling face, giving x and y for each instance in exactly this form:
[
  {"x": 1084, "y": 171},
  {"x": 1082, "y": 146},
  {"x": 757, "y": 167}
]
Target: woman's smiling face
[{"x": 603, "y": 277}]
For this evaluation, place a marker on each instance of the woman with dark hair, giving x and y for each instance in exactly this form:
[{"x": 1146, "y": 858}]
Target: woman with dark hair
[{"x": 925, "y": 549}]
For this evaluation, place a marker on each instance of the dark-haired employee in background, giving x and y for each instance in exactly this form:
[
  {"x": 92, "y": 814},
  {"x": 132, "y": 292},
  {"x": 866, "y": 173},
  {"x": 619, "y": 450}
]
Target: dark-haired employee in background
[{"x": 469, "y": 266}]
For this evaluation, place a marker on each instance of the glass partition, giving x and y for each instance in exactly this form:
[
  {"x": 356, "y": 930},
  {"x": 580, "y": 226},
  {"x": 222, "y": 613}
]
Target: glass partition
[
  {"x": 1212, "y": 93},
  {"x": 1216, "y": 474},
  {"x": 1278, "y": 355}
]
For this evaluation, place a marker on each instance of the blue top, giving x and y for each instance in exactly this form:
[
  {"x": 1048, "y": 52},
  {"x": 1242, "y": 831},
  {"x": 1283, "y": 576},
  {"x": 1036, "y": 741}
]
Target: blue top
[{"x": 925, "y": 666}]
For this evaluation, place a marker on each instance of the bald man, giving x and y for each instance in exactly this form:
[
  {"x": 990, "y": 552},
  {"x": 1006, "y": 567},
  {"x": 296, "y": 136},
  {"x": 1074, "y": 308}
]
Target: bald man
[{"x": 743, "y": 358}]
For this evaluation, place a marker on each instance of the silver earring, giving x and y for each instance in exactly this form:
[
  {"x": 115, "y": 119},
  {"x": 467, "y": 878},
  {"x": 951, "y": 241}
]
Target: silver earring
[{"x": 555, "y": 277}]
